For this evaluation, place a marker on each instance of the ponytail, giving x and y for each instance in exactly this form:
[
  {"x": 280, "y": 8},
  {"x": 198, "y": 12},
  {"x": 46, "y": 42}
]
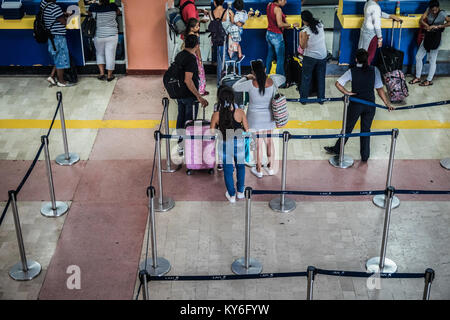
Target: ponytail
[
  {"x": 225, "y": 104},
  {"x": 312, "y": 22},
  {"x": 261, "y": 77}
]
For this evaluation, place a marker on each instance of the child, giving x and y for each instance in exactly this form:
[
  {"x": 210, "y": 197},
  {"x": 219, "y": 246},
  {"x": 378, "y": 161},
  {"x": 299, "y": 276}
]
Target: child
[
  {"x": 235, "y": 30},
  {"x": 229, "y": 119},
  {"x": 193, "y": 27}
]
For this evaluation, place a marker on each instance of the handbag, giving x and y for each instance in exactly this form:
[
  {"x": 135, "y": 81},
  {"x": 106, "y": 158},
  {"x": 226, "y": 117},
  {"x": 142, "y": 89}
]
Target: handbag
[
  {"x": 432, "y": 39},
  {"x": 89, "y": 26},
  {"x": 279, "y": 108}
]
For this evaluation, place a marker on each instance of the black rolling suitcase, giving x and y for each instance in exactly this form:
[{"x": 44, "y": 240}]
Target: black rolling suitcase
[
  {"x": 229, "y": 79},
  {"x": 391, "y": 59}
]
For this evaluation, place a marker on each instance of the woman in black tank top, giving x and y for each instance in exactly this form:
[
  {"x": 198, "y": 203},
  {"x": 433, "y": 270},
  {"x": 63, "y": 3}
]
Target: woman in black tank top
[{"x": 230, "y": 120}]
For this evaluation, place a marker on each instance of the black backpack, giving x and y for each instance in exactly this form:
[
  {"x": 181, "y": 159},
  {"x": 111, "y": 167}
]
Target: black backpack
[
  {"x": 40, "y": 32},
  {"x": 174, "y": 81},
  {"x": 217, "y": 31}
]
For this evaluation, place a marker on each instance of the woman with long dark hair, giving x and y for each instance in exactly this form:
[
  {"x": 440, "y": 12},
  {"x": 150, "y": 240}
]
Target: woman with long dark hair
[
  {"x": 261, "y": 89},
  {"x": 106, "y": 37},
  {"x": 229, "y": 119},
  {"x": 312, "y": 41}
]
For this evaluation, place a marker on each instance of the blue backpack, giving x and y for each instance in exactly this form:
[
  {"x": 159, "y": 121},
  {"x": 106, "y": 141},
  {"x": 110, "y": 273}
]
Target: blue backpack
[{"x": 174, "y": 17}]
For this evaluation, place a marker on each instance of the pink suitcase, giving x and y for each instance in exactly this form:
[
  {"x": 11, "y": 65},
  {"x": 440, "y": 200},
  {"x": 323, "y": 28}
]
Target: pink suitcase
[{"x": 199, "y": 154}]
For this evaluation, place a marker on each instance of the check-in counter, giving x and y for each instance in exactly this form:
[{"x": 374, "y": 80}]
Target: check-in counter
[
  {"x": 349, "y": 19},
  {"x": 253, "y": 44},
  {"x": 19, "y": 48}
]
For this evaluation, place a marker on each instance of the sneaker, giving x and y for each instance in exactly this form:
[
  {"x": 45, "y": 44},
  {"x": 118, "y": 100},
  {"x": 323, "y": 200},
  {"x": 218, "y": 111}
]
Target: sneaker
[
  {"x": 67, "y": 84},
  {"x": 256, "y": 173},
  {"x": 220, "y": 167},
  {"x": 269, "y": 171},
  {"x": 241, "y": 195},
  {"x": 51, "y": 81},
  {"x": 330, "y": 150},
  {"x": 232, "y": 199}
]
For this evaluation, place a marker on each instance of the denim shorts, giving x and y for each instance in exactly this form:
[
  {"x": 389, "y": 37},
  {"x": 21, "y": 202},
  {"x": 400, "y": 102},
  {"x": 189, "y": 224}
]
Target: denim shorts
[{"x": 60, "y": 57}]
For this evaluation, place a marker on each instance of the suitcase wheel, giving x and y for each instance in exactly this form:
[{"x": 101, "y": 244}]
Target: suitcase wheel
[
  {"x": 211, "y": 171},
  {"x": 189, "y": 172}
]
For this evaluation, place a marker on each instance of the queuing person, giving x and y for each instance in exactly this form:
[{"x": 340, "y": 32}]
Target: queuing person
[
  {"x": 226, "y": 16},
  {"x": 193, "y": 27},
  {"x": 55, "y": 21},
  {"x": 229, "y": 119},
  {"x": 364, "y": 80},
  {"x": 261, "y": 89},
  {"x": 187, "y": 61},
  {"x": 434, "y": 21},
  {"x": 371, "y": 38},
  {"x": 106, "y": 37},
  {"x": 312, "y": 41},
  {"x": 236, "y": 30},
  {"x": 274, "y": 35}
]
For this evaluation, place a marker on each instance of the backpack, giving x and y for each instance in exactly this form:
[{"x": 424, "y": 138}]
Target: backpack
[
  {"x": 218, "y": 33},
  {"x": 174, "y": 17},
  {"x": 40, "y": 32},
  {"x": 174, "y": 81}
]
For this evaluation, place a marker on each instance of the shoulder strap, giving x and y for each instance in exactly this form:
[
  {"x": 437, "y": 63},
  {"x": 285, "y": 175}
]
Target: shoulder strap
[
  {"x": 223, "y": 14},
  {"x": 185, "y": 4},
  {"x": 437, "y": 15}
]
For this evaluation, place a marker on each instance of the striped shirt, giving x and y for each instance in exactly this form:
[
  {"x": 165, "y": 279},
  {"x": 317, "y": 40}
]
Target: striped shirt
[
  {"x": 51, "y": 13},
  {"x": 105, "y": 15}
]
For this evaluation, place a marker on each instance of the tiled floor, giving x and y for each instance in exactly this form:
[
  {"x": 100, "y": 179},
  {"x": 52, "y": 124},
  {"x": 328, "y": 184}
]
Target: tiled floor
[{"x": 104, "y": 232}]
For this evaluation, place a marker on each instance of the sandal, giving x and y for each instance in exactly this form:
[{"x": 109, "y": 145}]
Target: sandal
[
  {"x": 426, "y": 83},
  {"x": 414, "y": 81}
]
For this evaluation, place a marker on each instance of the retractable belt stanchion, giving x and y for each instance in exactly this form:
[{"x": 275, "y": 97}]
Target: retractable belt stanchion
[
  {"x": 381, "y": 263},
  {"x": 164, "y": 204},
  {"x": 311, "y": 275},
  {"x": 446, "y": 163},
  {"x": 247, "y": 265},
  {"x": 429, "y": 277},
  {"x": 143, "y": 277},
  {"x": 169, "y": 168},
  {"x": 66, "y": 159},
  {"x": 54, "y": 208},
  {"x": 341, "y": 160},
  {"x": 282, "y": 203},
  {"x": 26, "y": 269},
  {"x": 156, "y": 266},
  {"x": 380, "y": 200}
]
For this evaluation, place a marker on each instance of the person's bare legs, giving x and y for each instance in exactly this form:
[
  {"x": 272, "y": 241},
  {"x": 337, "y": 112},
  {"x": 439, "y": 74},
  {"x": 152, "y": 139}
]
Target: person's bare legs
[
  {"x": 101, "y": 67},
  {"x": 52, "y": 74},
  {"x": 270, "y": 151},
  {"x": 239, "y": 51},
  {"x": 110, "y": 72},
  {"x": 60, "y": 73},
  {"x": 259, "y": 150}
]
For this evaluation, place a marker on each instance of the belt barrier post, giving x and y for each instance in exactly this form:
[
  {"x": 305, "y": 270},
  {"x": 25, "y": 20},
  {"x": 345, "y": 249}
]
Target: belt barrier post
[
  {"x": 446, "y": 163},
  {"x": 143, "y": 278},
  {"x": 168, "y": 169},
  {"x": 429, "y": 277},
  {"x": 247, "y": 265},
  {"x": 341, "y": 160},
  {"x": 156, "y": 266},
  {"x": 26, "y": 269},
  {"x": 283, "y": 204},
  {"x": 381, "y": 263},
  {"x": 167, "y": 203},
  {"x": 311, "y": 275},
  {"x": 380, "y": 200},
  {"x": 66, "y": 159},
  {"x": 54, "y": 208}
]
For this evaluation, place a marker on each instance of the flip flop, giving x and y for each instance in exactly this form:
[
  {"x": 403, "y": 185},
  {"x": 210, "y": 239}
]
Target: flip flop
[
  {"x": 414, "y": 81},
  {"x": 422, "y": 84}
]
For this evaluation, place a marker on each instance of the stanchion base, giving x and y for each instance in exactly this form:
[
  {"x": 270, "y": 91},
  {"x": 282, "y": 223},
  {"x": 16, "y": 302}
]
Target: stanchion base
[
  {"x": 289, "y": 205},
  {"x": 172, "y": 170},
  {"x": 373, "y": 265},
  {"x": 162, "y": 266},
  {"x": 379, "y": 199},
  {"x": 238, "y": 266},
  {"x": 61, "y": 209},
  {"x": 346, "y": 162},
  {"x": 446, "y": 163},
  {"x": 167, "y": 205},
  {"x": 17, "y": 273},
  {"x": 73, "y": 158}
]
